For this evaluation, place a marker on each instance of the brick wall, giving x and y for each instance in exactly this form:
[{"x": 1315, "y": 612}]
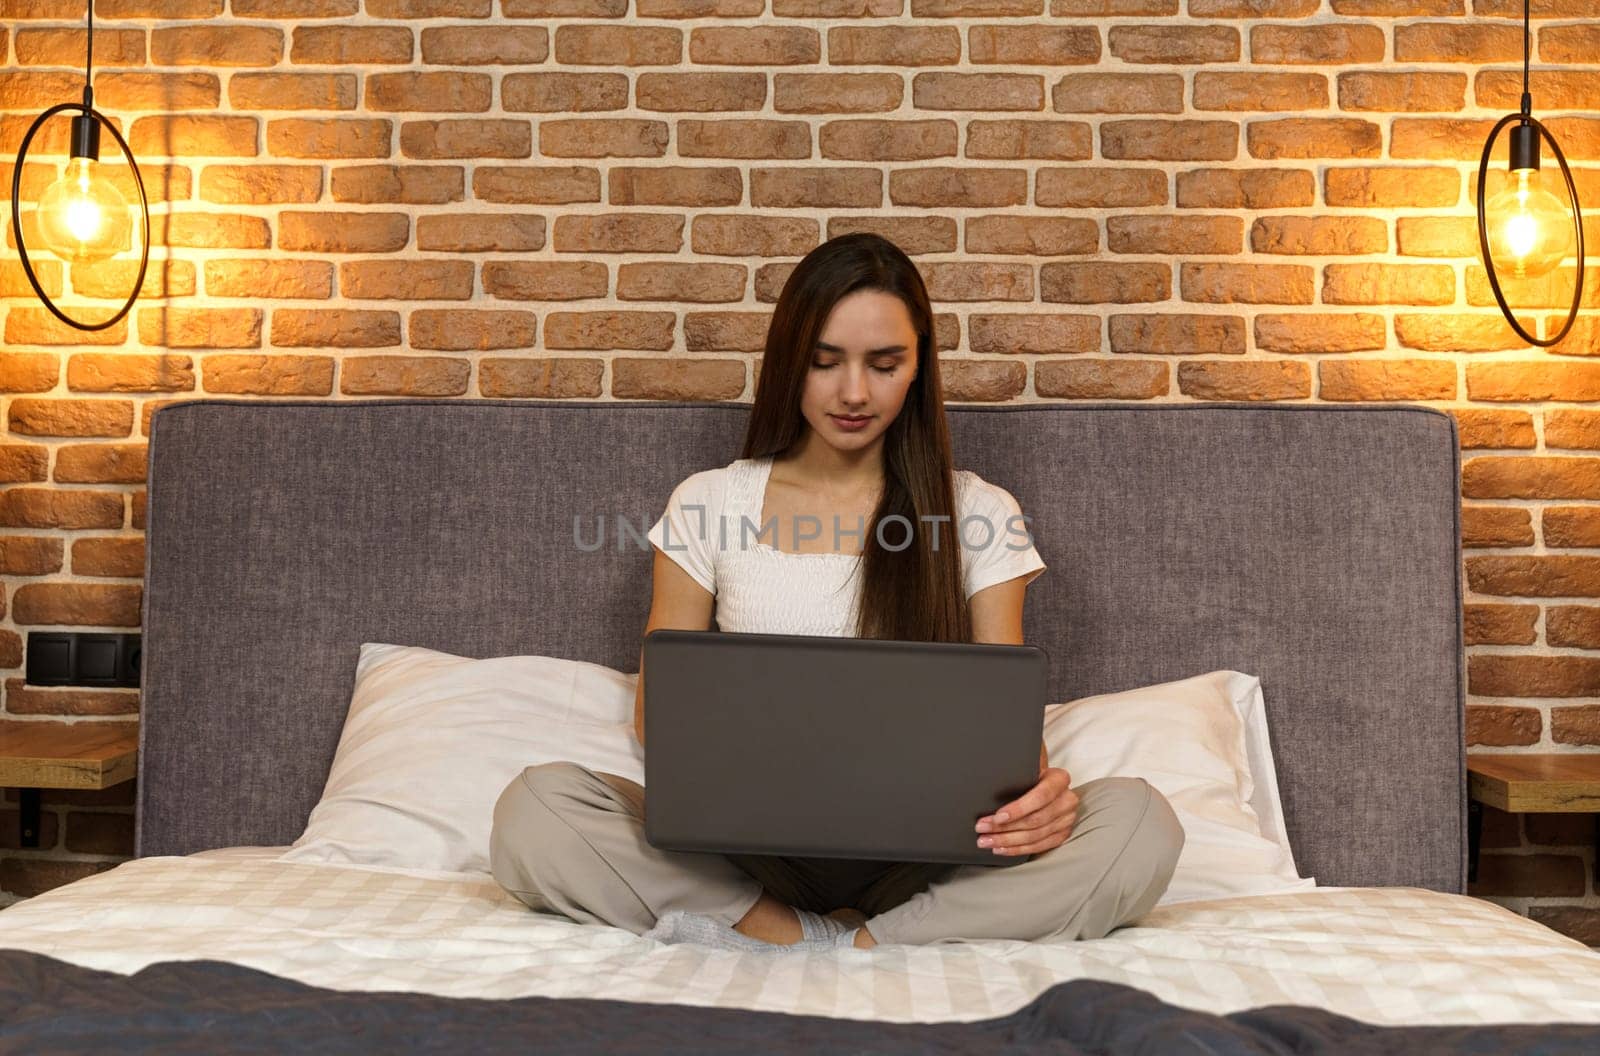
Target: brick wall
[{"x": 1166, "y": 200}]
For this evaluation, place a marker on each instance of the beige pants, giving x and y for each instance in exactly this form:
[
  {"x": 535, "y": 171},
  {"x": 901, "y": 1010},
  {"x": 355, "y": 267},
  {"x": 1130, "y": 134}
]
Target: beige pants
[{"x": 569, "y": 840}]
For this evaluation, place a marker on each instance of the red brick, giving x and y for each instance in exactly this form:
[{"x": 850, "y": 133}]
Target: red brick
[
  {"x": 1184, "y": 140},
  {"x": 235, "y": 45},
  {"x": 351, "y": 45},
  {"x": 1247, "y": 283},
  {"x": 543, "y": 378},
  {"x": 404, "y": 376},
  {"x": 677, "y": 379},
  {"x": 84, "y": 604},
  {"x": 904, "y": 45},
  {"x": 421, "y": 280},
  {"x": 1118, "y": 93},
  {"x": 410, "y": 184},
  {"x": 1263, "y": 380},
  {"x": 294, "y": 137},
  {"x": 65, "y": 47},
  {"x": 429, "y": 91},
  {"x": 1020, "y": 45},
  {"x": 100, "y": 463},
  {"x": 1179, "y": 235},
  {"x": 1485, "y": 428},
  {"x": 1388, "y": 284},
  {"x": 761, "y": 45},
  {"x": 1316, "y": 45},
  {"x": 1177, "y": 45},
  {"x": 710, "y": 92},
  {"x": 1046, "y": 236},
  {"x": 1319, "y": 235},
  {"x": 68, "y": 417},
  {"x": 495, "y": 45},
  {"x": 189, "y": 136},
  {"x": 269, "y": 375},
  {"x": 59, "y": 509},
  {"x": 480, "y": 232},
  {"x": 1105, "y": 283},
  {"x": 913, "y": 234},
  {"x": 1310, "y": 137},
  {"x": 466, "y": 138},
  {"x": 261, "y": 184},
  {"x": 1271, "y": 92},
  {"x": 1174, "y": 334},
  {"x": 1320, "y": 332},
  {"x": 1350, "y": 380},
  {"x": 1500, "y": 624},
  {"x": 1018, "y": 139},
  {"x": 545, "y": 280},
  {"x": 792, "y": 93},
  {"x": 1084, "y": 187},
  {"x": 331, "y": 232},
  {"x": 610, "y": 330},
  {"x": 612, "y": 46},
  {"x": 292, "y": 91},
  {"x": 1381, "y": 188},
  {"x": 115, "y": 279},
  {"x": 978, "y": 281},
  {"x": 941, "y": 186},
  {"x": 337, "y": 328},
  {"x": 1033, "y": 333},
  {"x": 463, "y": 330},
  {"x": 269, "y": 278},
  {"x": 1245, "y": 188},
  {"x": 169, "y": 327},
  {"x": 1101, "y": 379},
  {"x": 1496, "y": 526},
  {"x": 127, "y": 372},
  {"x": 128, "y": 90},
  {"x": 1391, "y": 92}
]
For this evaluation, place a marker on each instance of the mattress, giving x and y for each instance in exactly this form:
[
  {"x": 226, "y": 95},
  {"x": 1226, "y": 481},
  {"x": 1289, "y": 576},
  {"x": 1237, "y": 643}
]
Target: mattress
[{"x": 1386, "y": 956}]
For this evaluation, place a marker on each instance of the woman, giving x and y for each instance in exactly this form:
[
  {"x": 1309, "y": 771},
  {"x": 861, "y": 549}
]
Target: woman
[{"x": 851, "y": 337}]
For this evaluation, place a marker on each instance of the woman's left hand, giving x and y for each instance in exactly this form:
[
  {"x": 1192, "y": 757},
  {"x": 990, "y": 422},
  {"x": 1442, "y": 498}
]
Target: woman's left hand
[{"x": 1042, "y": 818}]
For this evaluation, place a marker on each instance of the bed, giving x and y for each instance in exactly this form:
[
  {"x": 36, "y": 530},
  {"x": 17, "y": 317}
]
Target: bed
[{"x": 1313, "y": 545}]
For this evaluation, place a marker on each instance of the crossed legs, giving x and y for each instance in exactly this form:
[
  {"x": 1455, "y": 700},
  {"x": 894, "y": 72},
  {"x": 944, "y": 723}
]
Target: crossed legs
[{"x": 571, "y": 841}]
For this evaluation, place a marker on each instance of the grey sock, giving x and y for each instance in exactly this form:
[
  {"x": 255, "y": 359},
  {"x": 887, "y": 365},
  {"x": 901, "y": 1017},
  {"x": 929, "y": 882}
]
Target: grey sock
[
  {"x": 817, "y": 933},
  {"x": 678, "y": 926},
  {"x": 818, "y": 930}
]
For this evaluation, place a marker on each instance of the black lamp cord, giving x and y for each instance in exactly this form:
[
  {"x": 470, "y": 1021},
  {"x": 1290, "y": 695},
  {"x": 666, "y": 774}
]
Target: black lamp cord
[
  {"x": 88, "y": 61},
  {"x": 1527, "y": 96}
]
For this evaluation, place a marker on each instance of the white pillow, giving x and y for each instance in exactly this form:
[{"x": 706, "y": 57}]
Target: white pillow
[
  {"x": 430, "y": 741},
  {"x": 1202, "y": 742}
]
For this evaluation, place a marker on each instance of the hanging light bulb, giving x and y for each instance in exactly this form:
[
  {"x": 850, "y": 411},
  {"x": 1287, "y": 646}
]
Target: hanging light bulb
[
  {"x": 82, "y": 217},
  {"x": 1530, "y": 229},
  {"x": 1525, "y": 231}
]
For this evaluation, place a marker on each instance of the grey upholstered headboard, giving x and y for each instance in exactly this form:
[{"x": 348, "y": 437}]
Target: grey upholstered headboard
[{"x": 1313, "y": 545}]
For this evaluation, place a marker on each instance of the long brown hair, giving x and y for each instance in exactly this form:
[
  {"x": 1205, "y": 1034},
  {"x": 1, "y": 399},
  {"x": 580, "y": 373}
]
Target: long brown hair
[{"x": 914, "y": 593}]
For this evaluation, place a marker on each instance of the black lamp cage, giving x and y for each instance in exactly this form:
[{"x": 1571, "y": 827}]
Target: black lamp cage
[
  {"x": 1524, "y": 153},
  {"x": 85, "y": 144}
]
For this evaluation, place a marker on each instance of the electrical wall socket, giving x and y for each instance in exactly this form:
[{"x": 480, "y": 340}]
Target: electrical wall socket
[{"x": 80, "y": 658}]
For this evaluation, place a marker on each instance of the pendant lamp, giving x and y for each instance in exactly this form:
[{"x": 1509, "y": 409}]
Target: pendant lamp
[
  {"x": 82, "y": 216},
  {"x": 1524, "y": 231}
]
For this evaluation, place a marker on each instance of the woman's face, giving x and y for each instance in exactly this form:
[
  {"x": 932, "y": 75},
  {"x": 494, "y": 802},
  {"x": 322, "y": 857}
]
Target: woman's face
[{"x": 863, "y": 366}]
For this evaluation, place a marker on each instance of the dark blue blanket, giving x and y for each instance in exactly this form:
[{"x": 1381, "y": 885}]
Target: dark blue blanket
[{"x": 49, "y": 1006}]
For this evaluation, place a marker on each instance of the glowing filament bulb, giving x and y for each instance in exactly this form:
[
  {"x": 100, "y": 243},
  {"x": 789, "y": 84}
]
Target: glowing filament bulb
[
  {"x": 82, "y": 217},
  {"x": 1529, "y": 228}
]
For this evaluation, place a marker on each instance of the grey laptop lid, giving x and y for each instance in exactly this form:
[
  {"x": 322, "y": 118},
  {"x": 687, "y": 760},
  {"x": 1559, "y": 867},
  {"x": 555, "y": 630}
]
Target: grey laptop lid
[{"x": 836, "y": 747}]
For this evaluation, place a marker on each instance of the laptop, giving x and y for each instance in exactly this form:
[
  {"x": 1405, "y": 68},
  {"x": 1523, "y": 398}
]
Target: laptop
[{"x": 836, "y": 747}]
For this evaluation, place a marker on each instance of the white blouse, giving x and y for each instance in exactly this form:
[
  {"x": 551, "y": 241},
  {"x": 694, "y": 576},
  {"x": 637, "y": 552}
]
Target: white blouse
[{"x": 712, "y": 528}]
